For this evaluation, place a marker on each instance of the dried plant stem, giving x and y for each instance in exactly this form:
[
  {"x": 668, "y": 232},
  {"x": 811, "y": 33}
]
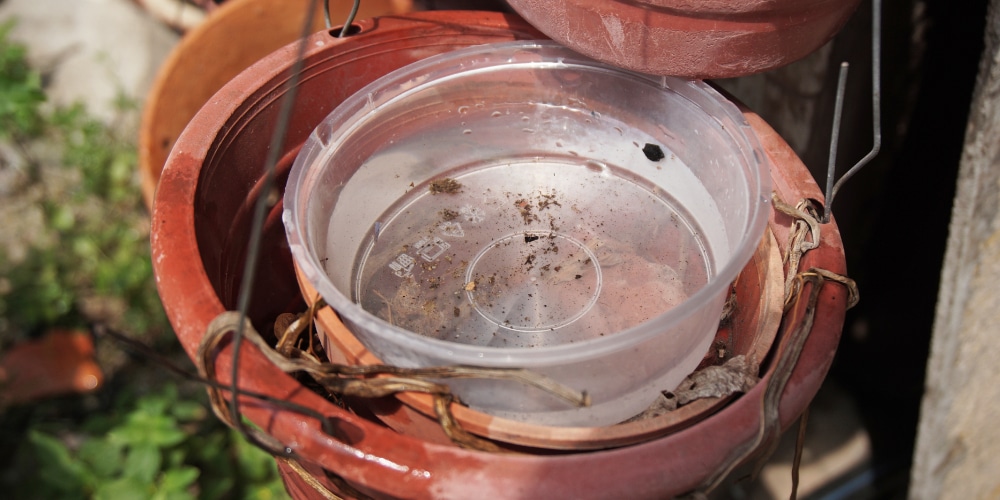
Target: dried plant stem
[{"x": 372, "y": 381}]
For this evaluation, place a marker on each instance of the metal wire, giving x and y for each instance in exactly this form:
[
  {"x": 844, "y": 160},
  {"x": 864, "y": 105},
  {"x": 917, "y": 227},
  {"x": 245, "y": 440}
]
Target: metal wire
[
  {"x": 260, "y": 209},
  {"x": 350, "y": 17},
  {"x": 832, "y": 189},
  {"x": 838, "y": 111}
]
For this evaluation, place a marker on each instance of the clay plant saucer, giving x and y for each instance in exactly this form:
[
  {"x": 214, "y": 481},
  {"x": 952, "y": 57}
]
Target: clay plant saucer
[{"x": 750, "y": 331}]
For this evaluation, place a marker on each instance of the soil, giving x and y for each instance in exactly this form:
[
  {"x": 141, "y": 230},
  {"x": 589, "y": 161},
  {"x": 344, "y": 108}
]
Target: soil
[{"x": 446, "y": 185}]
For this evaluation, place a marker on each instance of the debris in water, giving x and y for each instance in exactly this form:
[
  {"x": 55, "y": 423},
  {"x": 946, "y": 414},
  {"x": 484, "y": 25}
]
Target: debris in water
[
  {"x": 653, "y": 152},
  {"x": 446, "y": 185}
]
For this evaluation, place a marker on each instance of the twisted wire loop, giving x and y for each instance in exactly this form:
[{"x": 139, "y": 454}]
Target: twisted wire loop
[
  {"x": 802, "y": 290},
  {"x": 206, "y": 369}
]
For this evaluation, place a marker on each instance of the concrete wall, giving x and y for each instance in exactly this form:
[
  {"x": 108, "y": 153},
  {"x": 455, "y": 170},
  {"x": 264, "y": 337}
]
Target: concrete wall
[
  {"x": 958, "y": 442},
  {"x": 90, "y": 51}
]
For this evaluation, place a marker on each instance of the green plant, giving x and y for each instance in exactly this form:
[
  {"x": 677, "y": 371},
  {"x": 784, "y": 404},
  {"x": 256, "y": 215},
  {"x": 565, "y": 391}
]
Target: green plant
[
  {"x": 161, "y": 447},
  {"x": 94, "y": 229},
  {"x": 20, "y": 90},
  {"x": 87, "y": 262}
]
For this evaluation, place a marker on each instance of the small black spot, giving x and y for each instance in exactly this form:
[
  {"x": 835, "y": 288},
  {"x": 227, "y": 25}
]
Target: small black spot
[
  {"x": 653, "y": 152},
  {"x": 578, "y": 276},
  {"x": 528, "y": 238}
]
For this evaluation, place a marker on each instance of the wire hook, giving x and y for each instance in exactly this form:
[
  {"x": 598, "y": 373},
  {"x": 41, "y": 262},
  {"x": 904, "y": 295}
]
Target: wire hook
[
  {"x": 350, "y": 17},
  {"x": 831, "y": 187}
]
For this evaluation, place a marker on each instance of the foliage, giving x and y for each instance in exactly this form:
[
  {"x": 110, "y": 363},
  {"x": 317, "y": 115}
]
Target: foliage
[
  {"x": 160, "y": 447},
  {"x": 92, "y": 247},
  {"x": 94, "y": 224},
  {"x": 20, "y": 90}
]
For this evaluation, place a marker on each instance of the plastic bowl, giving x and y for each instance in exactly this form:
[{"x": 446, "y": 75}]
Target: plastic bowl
[{"x": 520, "y": 205}]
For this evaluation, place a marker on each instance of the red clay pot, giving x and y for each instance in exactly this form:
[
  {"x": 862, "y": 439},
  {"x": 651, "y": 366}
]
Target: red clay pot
[
  {"x": 60, "y": 362},
  {"x": 692, "y": 38},
  {"x": 200, "y": 228}
]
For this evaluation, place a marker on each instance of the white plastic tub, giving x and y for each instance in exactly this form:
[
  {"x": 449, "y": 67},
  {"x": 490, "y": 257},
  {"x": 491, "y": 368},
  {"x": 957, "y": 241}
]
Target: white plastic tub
[{"x": 520, "y": 205}]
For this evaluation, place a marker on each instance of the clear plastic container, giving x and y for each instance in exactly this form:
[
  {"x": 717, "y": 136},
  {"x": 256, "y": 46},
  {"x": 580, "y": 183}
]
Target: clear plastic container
[{"x": 520, "y": 205}]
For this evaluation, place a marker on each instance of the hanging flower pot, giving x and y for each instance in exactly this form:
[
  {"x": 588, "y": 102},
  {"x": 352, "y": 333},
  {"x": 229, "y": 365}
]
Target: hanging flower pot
[
  {"x": 201, "y": 226},
  {"x": 692, "y": 38}
]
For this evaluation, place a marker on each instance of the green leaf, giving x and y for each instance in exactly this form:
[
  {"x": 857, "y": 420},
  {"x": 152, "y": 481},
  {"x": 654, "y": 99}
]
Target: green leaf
[
  {"x": 61, "y": 218},
  {"x": 143, "y": 428},
  {"x": 175, "y": 457},
  {"x": 189, "y": 411},
  {"x": 217, "y": 487},
  {"x": 159, "y": 403},
  {"x": 176, "y": 482},
  {"x": 104, "y": 457},
  {"x": 258, "y": 472},
  {"x": 20, "y": 90},
  {"x": 142, "y": 463},
  {"x": 126, "y": 488},
  {"x": 274, "y": 490},
  {"x": 86, "y": 249},
  {"x": 255, "y": 464},
  {"x": 56, "y": 465},
  {"x": 100, "y": 423}
]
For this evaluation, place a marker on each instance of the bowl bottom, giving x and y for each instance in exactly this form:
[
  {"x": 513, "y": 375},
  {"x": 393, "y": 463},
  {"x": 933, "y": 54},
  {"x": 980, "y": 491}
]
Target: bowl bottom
[{"x": 529, "y": 253}]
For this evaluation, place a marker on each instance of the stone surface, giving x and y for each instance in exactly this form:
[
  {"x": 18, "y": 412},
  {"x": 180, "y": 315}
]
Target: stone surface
[
  {"x": 91, "y": 51},
  {"x": 958, "y": 438}
]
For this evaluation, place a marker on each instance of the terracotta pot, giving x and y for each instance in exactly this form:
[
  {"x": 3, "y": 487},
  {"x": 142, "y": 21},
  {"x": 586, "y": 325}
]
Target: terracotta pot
[
  {"x": 750, "y": 332},
  {"x": 60, "y": 362},
  {"x": 234, "y": 36},
  {"x": 200, "y": 228},
  {"x": 692, "y": 38}
]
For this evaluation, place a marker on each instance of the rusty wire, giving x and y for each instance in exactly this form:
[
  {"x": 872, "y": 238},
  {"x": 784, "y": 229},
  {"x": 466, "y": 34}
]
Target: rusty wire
[{"x": 833, "y": 188}]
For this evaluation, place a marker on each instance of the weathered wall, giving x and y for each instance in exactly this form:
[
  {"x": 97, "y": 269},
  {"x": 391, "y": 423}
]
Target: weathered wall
[
  {"x": 958, "y": 442},
  {"x": 90, "y": 51}
]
